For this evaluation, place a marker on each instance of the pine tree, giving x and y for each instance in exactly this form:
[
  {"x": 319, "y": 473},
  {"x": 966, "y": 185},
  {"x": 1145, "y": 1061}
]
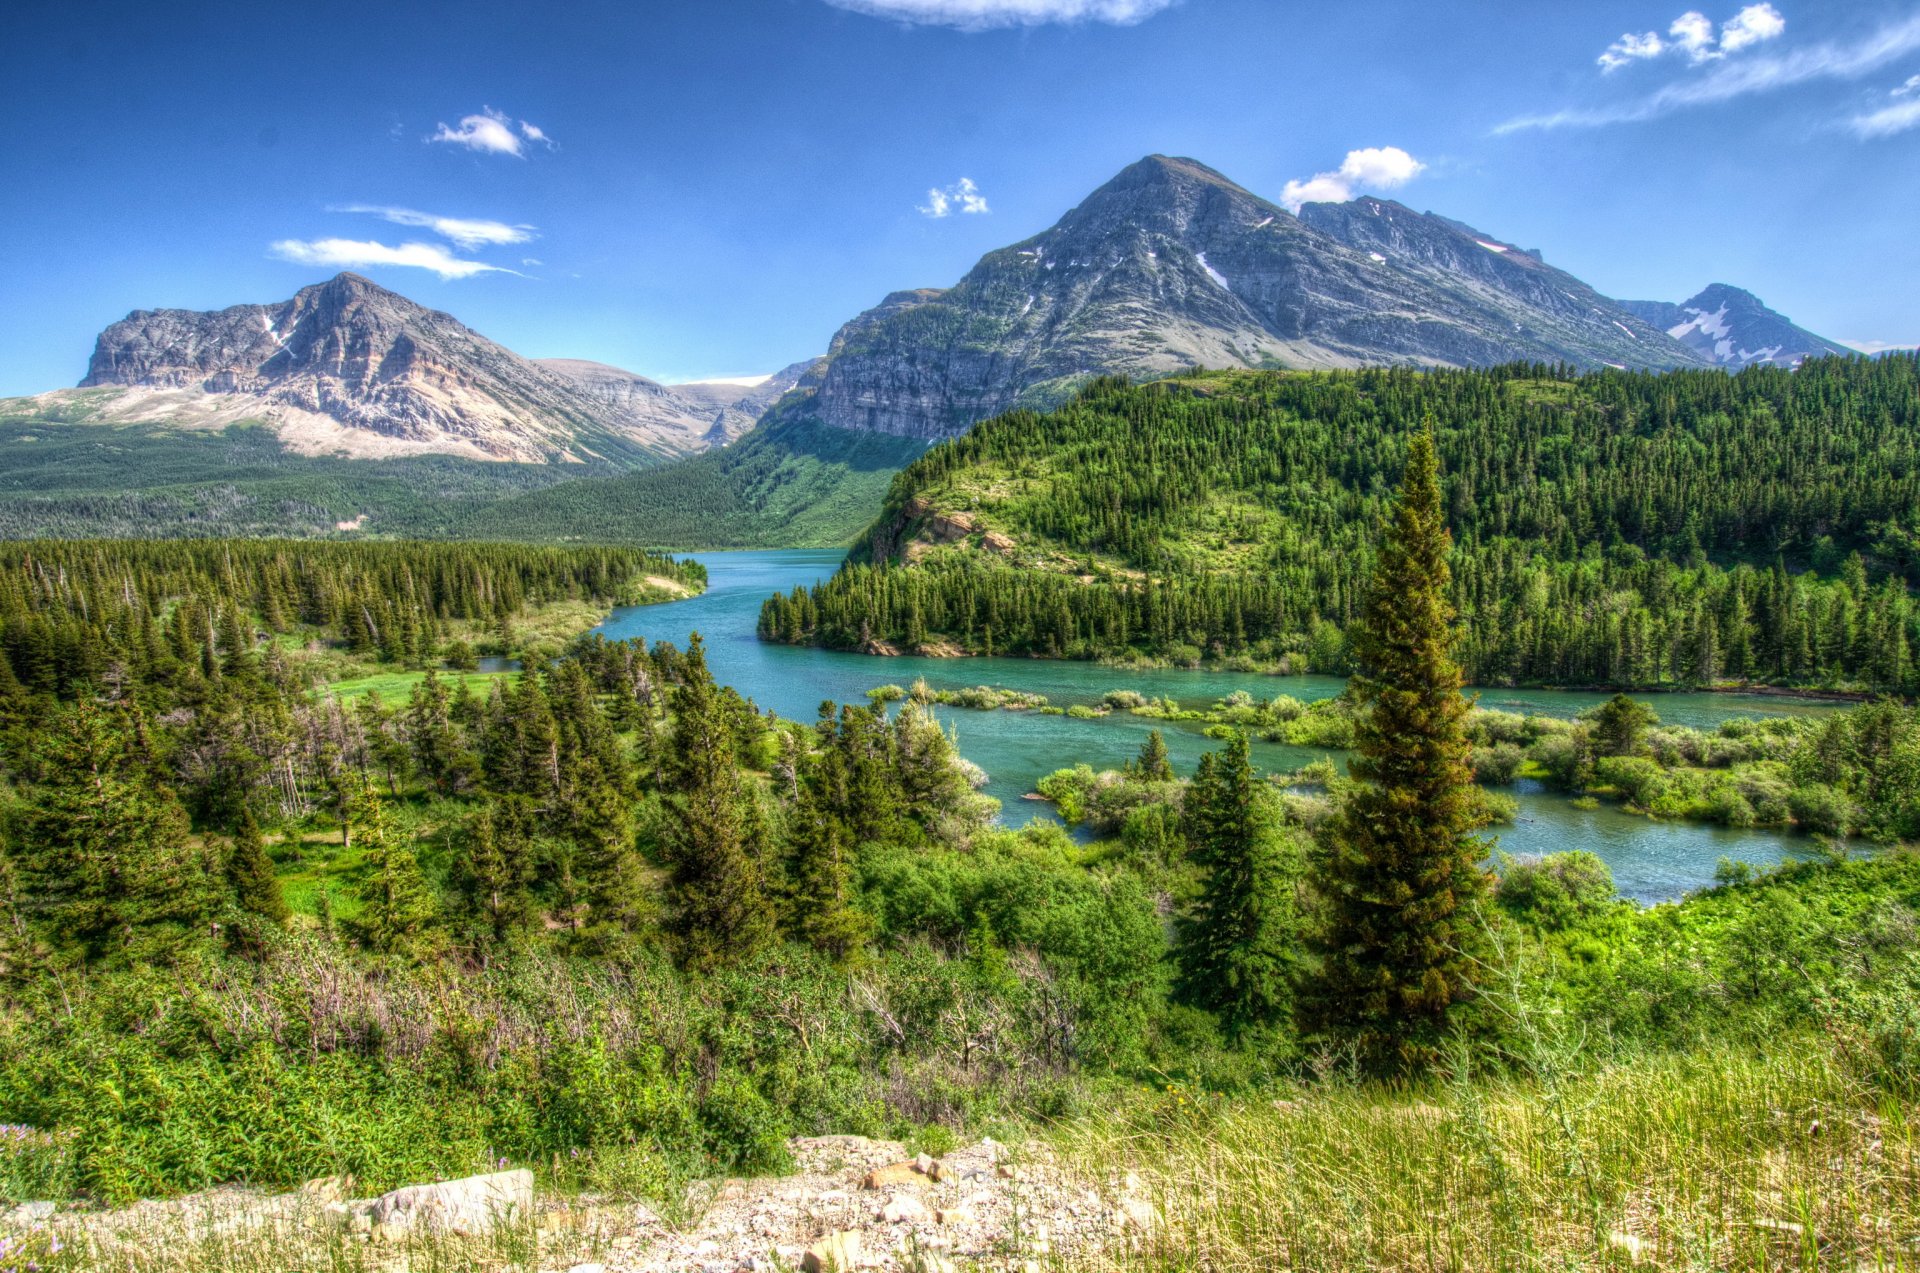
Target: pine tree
[
  {"x": 494, "y": 877},
  {"x": 397, "y": 909},
  {"x": 1400, "y": 873},
  {"x": 820, "y": 901},
  {"x": 104, "y": 863},
  {"x": 256, "y": 889},
  {"x": 1153, "y": 764},
  {"x": 717, "y": 886},
  {"x": 1239, "y": 942}
]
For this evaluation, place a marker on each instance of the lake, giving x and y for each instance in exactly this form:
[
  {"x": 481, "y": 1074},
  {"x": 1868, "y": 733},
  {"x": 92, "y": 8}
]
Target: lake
[{"x": 1651, "y": 861}]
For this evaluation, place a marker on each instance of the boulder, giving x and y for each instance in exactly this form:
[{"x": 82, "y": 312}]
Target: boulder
[
  {"x": 900, "y": 1173},
  {"x": 837, "y": 1253},
  {"x": 903, "y": 1207},
  {"x": 469, "y": 1206}
]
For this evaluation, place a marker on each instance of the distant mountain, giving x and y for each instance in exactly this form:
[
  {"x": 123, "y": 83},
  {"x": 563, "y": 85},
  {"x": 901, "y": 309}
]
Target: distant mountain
[
  {"x": 1171, "y": 264},
  {"x": 348, "y": 367},
  {"x": 690, "y": 417},
  {"x": 1732, "y": 328}
]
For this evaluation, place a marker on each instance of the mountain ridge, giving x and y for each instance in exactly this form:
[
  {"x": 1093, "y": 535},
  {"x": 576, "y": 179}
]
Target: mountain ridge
[
  {"x": 349, "y": 366},
  {"x": 1171, "y": 264},
  {"x": 1720, "y": 321}
]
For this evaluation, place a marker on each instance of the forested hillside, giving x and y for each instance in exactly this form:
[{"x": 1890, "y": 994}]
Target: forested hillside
[
  {"x": 791, "y": 483},
  {"x": 1614, "y": 528}
]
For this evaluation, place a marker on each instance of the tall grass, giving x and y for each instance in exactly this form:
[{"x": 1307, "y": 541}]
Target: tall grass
[{"x": 1719, "y": 1159}]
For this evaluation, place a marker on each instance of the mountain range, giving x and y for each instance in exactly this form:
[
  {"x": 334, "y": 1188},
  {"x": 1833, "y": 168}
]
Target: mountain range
[{"x": 1168, "y": 266}]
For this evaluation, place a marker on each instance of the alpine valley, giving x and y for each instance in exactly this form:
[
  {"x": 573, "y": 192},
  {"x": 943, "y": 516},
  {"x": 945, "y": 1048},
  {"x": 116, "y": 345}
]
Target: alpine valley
[{"x": 349, "y": 409}]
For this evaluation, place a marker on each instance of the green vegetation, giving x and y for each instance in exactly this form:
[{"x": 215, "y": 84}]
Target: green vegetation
[
  {"x": 1401, "y": 948},
  {"x": 61, "y": 478},
  {"x": 613, "y": 922},
  {"x": 1614, "y": 528},
  {"x": 791, "y": 483}
]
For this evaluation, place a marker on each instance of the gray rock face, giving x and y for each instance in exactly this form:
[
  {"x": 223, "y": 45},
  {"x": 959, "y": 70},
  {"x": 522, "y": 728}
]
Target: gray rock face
[
  {"x": 1734, "y": 328},
  {"x": 471, "y": 1205},
  {"x": 1171, "y": 264},
  {"x": 377, "y": 363}
]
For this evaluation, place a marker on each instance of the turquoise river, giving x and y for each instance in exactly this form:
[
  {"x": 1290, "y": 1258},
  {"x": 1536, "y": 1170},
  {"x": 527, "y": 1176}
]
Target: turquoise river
[{"x": 1651, "y": 861}]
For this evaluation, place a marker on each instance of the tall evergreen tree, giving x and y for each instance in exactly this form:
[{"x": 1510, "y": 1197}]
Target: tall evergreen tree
[
  {"x": 1239, "y": 943},
  {"x": 398, "y": 913},
  {"x": 105, "y": 865},
  {"x": 256, "y": 889},
  {"x": 494, "y": 876},
  {"x": 718, "y": 888},
  {"x": 1153, "y": 764},
  {"x": 1400, "y": 872}
]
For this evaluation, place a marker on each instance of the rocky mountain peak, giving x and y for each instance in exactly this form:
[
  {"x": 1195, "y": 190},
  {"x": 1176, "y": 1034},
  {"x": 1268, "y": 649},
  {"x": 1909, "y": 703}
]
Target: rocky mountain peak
[
  {"x": 349, "y": 365},
  {"x": 1170, "y": 263},
  {"x": 1731, "y": 327}
]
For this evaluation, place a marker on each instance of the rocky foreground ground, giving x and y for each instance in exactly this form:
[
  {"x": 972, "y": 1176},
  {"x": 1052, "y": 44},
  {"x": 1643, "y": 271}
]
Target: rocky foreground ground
[{"x": 853, "y": 1203}]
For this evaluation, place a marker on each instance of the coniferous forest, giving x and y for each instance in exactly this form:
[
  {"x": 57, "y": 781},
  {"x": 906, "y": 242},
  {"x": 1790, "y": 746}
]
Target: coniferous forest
[
  {"x": 1612, "y": 528},
  {"x": 291, "y": 886}
]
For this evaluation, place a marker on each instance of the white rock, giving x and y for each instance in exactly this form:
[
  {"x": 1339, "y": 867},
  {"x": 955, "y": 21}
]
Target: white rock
[
  {"x": 903, "y": 1207},
  {"x": 469, "y": 1206}
]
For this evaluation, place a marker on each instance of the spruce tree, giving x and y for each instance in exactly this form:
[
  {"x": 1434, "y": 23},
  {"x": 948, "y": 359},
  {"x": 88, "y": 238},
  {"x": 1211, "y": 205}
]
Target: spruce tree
[
  {"x": 494, "y": 877},
  {"x": 1239, "y": 942},
  {"x": 256, "y": 889},
  {"x": 104, "y": 862},
  {"x": 1153, "y": 764},
  {"x": 820, "y": 866},
  {"x": 397, "y": 908},
  {"x": 717, "y": 886},
  {"x": 1400, "y": 872}
]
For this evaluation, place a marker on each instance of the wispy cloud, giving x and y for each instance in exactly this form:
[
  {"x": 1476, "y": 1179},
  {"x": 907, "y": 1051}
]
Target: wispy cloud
[
  {"x": 1880, "y": 346},
  {"x": 356, "y": 254},
  {"x": 1888, "y": 120},
  {"x": 466, "y": 233},
  {"x": 1692, "y": 36},
  {"x": 492, "y": 132},
  {"x": 1726, "y": 80},
  {"x": 1375, "y": 168},
  {"x": 981, "y": 15},
  {"x": 962, "y": 196}
]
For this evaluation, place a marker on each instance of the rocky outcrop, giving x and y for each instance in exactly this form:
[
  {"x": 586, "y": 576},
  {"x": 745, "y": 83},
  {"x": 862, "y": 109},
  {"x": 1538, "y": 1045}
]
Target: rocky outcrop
[
  {"x": 979, "y": 1207},
  {"x": 1734, "y": 328},
  {"x": 1171, "y": 264}
]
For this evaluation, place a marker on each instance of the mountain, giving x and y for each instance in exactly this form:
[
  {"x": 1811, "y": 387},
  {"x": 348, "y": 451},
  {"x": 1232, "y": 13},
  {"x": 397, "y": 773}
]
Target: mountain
[
  {"x": 348, "y": 367},
  {"x": 1171, "y": 264},
  {"x": 1733, "y": 328}
]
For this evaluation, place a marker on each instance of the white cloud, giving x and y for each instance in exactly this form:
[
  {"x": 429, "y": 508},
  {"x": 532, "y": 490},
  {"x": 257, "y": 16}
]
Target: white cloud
[
  {"x": 464, "y": 232},
  {"x": 1888, "y": 120},
  {"x": 1752, "y": 25},
  {"x": 1375, "y": 168},
  {"x": 1692, "y": 36},
  {"x": 962, "y": 196},
  {"x": 1729, "y": 79},
  {"x": 1631, "y": 48},
  {"x": 1911, "y": 86},
  {"x": 355, "y": 254},
  {"x": 980, "y": 15},
  {"x": 1879, "y": 346},
  {"x": 492, "y": 132}
]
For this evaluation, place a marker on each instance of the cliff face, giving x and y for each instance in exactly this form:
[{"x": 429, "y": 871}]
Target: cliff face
[
  {"x": 1171, "y": 264},
  {"x": 382, "y": 367}
]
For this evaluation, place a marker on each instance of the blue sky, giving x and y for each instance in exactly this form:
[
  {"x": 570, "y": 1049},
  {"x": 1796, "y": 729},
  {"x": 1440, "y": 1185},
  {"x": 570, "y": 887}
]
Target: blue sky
[{"x": 705, "y": 189}]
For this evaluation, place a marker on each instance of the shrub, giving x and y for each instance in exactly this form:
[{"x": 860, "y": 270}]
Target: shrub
[{"x": 1557, "y": 890}]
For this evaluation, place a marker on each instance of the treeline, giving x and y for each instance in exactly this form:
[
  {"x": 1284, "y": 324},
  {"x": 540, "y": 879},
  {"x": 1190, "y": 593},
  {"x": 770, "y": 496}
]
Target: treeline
[
  {"x": 1614, "y": 528},
  {"x": 81, "y": 616}
]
